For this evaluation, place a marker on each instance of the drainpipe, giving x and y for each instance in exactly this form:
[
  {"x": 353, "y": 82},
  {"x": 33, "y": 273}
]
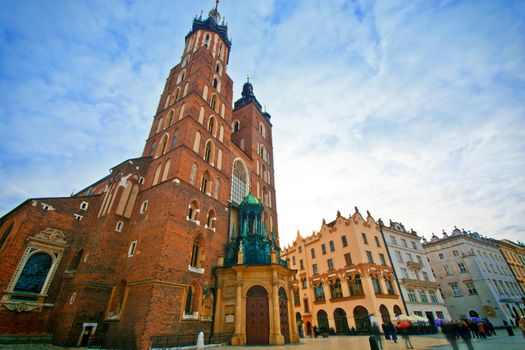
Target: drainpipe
[{"x": 395, "y": 274}]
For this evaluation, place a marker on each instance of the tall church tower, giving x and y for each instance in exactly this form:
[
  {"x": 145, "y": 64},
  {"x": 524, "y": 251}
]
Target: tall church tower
[{"x": 180, "y": 240}]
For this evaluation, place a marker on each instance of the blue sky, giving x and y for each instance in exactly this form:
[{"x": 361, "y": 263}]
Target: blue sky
[{"x": 413, "y": 110}]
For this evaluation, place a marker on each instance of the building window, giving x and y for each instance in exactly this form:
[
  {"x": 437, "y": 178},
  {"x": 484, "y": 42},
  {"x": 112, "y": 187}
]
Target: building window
[
  {"x": 348, "y": 259},
  {"x": 369, "y": 256},
  {"x": 211, "y": 220},
  {"x": 355, "y": 286},
  {"x": 314, "y": 268},
  {"x": 399, "y": 256},
  {"x": 411, "y": 295},
  {"x": 293, "y": 260},
  {"x": 404, "y": 272},
  {"x": 377, "y": 286},
  {"x": 448, "y": 272},
  {"x": 433, "y": 297},
  {"x": 440, "y": 314},
  {"x": 296, "y": 297},
  {"x": 377, "y": 241},
  {"x": 119, "y": 226},
  {"x": 306, "y": 306},
  {"x": 313, "y": 253},
  {"x": 332, "y": 246},
  {"x": 196, "y": 253},
  {"x": 404, "y": 242},
  {"x": 204, "y": 182},
  {"x": 414, "y": 245},
  {"x": 144, "y": 207},
  {"x": 323, "y": 249},
  {"x": 189, "y": 301},
  {"x": 442, "y": 256},
  {"x": 382, "y": 259},
  {"x": 455, "y": 289},
  {"x": 330, "y": 264},
  {"x": 425, "y": 276},
  {"x": 389, "y": 287},
  {"x": 419, "y": 259},
  {"x": 471, "y": 288},
  {"x": 303, "y": 283},
  {"x": 301, "y": 264},
  {"x": 409, "y": 257},
  {"x": 462, "y": 268},
  {"x": 393, "y": 240},
  {"x": 132, "y": 248},
  {"x": 84, "y": 205},
  {"x": 335, "y": 289},
  {"x": 365, "y": 241},
  {"x": 344, "y": 241},
  {"x": 423, "y": 296},
  {"x": 193, "y": 210},
  {"x": 239, "y": 182},
  {"x": 236, "y": 126},
  {"x": 319, "y": 292},
  {"x": 300, "y": 249}
]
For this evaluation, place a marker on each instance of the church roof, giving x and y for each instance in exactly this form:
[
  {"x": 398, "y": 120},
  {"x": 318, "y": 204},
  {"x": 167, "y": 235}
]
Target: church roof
[
  {"x": 250, "y": 200},
  {"x": 212, "y": 24},
  {"x": 249, "y": 97}
]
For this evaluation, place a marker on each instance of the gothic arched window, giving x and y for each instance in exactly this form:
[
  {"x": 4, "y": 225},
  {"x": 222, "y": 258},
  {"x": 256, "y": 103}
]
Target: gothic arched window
[
  {"x": 34, "y": 274},
  {"x": 211, "y": 125},
  {"x": 236, "y": 126},
  {"x": 187, "y": 307},
  {"x": 193, "y": 210},
  {"x": 205, "y": 182},
  {"x": 209, "y": 153},
  {"x": 217, "y": 189},
  {"x": 175, "y": 137},
  {"x": 239, "y": 182},
  {"x": 193, "y": 174}
]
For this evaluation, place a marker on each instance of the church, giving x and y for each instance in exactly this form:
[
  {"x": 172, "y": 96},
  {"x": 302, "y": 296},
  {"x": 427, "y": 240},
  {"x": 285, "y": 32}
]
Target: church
[{"x": 180, "y": 240}]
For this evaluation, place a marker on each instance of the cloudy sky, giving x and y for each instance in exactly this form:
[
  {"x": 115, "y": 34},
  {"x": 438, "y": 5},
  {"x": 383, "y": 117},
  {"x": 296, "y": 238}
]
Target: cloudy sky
[{"x": 414, "y": 110}]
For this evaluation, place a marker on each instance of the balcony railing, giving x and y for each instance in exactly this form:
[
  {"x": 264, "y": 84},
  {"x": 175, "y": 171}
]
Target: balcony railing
[{"x": 413, "y": 265}]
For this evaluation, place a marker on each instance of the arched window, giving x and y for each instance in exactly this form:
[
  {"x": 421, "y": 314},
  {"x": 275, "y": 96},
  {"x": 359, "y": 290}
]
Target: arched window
[
  {"x": 176, "y": 95},
  {"x": 193, "y": 210},
  {"x": 397, "y": 310},
  {"x": 239, "y": 182},
  {"x": 157, "y": 174},
  {"x": 385, "y": 316},
  {"x": 175, "y": 137},
  {"x": 211, "y": 125},
  {"x": 181, "y": 76},
  {"x": 193, "y": 174},
  {"x": 265, "y": 196},
  {"x": 214, "y": 103},
  {"x": 197, "y": 142},
  {"x": 153, "y": 148},
  {"x": 205, "y": 182},
  {"x": 217, "y": 189},
  {"x": 362, "y": 321},
  {"x": 76, "y": 260},
  {"x": 166, "y": 171},
  {"x": 35, "y": 273},
  {"x": 189, "y": 301},
  {"x": 167, "y": 103},
  {"x": 215, "y": 83},
  {"x": 262, "y": 130},
  {"x": 236, "y": 125},
  {"x": 196, "y": 253},
  {"x": 211, "y": 219},
  {"x": 219, "y": 159},
  {"x": 322, "y": 321},
  {"x": 159, "y": 125},
  {"x": 207, "y": 40},
  {"x": 117, "y": 301},
  {"x": 209, "y": 153},
  {"x": 163, "y": 145},
  {"x": 220, "y": 49},
  {"x": 218, "y": 68},
  {"x": 169, "y": 119}
]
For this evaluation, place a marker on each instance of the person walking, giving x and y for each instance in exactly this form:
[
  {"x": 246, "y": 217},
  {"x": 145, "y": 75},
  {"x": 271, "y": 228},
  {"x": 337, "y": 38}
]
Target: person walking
[
  {"x": 464, "y": 332},
  {"x": 509, "y": 329},
  {"x": 474, "y": 329},
  {"x": 376, "y": 332},
  {"x": 386, "y": 331},
  {"x": 481, "y": 328},
  {"x": 316, "y": 331},
  {"x": 490, "y": 328},
  {"x": 448, "y": 329},
  {"x": 406, "y": 337},
  {"x": 521, "y": 325},
  {"x": 392, "y": 331}
]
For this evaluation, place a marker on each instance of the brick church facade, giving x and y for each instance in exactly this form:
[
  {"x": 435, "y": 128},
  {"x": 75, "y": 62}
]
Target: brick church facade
[{"x": 165, "y": 239}]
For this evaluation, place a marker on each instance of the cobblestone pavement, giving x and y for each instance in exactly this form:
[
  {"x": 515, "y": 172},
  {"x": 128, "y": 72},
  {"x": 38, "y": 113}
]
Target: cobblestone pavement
[{"x": 434, "y": 342}]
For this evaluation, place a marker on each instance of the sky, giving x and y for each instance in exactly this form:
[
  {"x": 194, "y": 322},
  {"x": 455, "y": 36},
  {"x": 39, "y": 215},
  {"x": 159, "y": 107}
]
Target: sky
[{"x": 413, "y": 110}]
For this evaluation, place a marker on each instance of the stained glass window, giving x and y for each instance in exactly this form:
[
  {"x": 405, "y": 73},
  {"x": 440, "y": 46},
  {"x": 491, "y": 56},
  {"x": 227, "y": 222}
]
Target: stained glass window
[
  {"x": 239, "y": 182},
  {"x": 34, "y": 274}
]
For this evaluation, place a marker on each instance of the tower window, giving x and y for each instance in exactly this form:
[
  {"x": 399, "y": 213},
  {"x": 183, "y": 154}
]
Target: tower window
[
  {"x": 239, "y": 182},
  {"x": 84, "y": 205},
  {"x": 236, "y": 126},
  {"x": 193, "y": 174},
  {"x": 210, "y": 220},
  {"x": 188, "y": 305},
  {"x": 206, "y": 40},
  {"x": 211, "y": 125},
  {"x": 132, "y": 248},
  {"x": 196, "y": 253},
  {"x": 204, "y": 182},
  {"x": 119, "y": 226},
  {"x": 213, "y": 102},
  {"x": 144, "y": 207},
  {"x": 209, "y": 153},
  {"x": 215, "y": 83},
  {"x": 193, "y": 210}
]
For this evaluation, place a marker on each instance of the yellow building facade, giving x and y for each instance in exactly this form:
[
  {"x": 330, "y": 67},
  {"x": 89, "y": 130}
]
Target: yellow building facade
[
  {"x": 344, "y": 276},
  {"x": 514, "y": 254}
]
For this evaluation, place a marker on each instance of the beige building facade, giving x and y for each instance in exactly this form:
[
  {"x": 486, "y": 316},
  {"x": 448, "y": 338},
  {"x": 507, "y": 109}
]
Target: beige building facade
[
  {"x": 417, "y": 283},
  {"x": 474, "y": 277},
  {"x": 344, "y": 276}
]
